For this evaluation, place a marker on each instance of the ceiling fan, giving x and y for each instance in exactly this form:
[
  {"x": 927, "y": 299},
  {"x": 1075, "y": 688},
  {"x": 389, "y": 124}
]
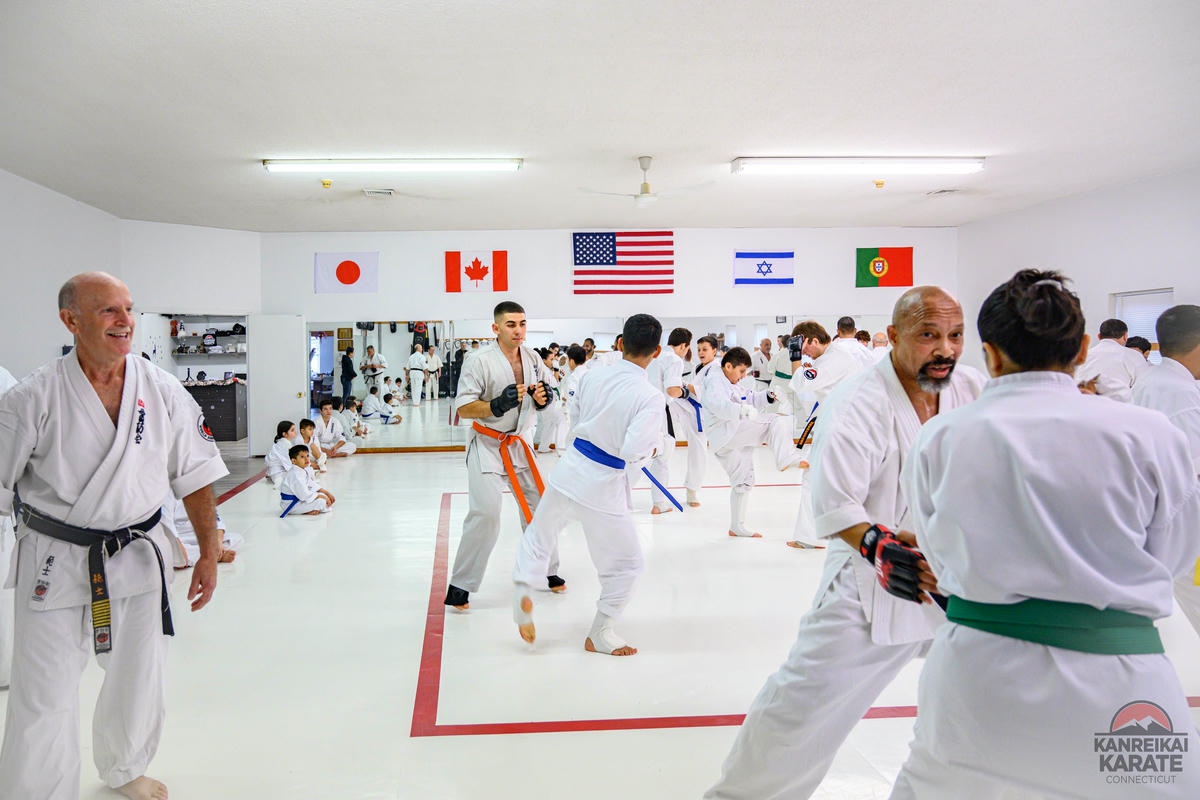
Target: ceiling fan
[{"x": 645, "y": 196}]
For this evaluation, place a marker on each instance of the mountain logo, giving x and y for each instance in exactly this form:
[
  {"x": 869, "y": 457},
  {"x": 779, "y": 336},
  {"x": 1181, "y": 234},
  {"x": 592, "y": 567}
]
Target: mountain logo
[{"x": 1140, "y": 718}]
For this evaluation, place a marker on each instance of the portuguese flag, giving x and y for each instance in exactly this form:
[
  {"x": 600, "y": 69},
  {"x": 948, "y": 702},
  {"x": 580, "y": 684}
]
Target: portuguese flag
[{"x": 884, "y": 266}]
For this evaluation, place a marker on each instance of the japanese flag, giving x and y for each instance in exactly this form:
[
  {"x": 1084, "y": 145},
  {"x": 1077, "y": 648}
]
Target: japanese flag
[
  {"x": 476, "y": 270},
  {"x": 346, "y": 272}
]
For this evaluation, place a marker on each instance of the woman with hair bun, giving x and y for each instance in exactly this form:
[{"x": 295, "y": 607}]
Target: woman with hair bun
[{"x": 1055, "y": 522}]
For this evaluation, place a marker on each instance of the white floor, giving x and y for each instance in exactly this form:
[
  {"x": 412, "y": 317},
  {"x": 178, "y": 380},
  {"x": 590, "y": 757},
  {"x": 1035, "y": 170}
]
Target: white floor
[{"x": 300, "y": 681}]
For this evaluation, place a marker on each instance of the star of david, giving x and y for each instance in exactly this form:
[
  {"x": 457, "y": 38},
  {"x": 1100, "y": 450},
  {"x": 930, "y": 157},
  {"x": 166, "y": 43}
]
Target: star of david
[{"x": 764, "y": 268}]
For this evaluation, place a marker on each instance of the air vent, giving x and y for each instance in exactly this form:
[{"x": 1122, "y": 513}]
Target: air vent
[
  {"x": 379, "y": 192},
  {"x": 942, "y": 192}
]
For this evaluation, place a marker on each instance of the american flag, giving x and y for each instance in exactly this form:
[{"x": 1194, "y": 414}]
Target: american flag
[{"x": 625, "y": 262}]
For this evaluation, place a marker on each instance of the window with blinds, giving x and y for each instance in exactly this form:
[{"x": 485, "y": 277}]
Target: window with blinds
[{"x": 1140, "y": 310}]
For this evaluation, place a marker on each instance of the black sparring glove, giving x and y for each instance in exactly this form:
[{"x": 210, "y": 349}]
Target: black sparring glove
[
  {"x": 796, "y": 348},
  {"x": 895, "y": 563},
  {"x": 505, "y": 401},
  {"x": 545, "y": 388},
  {"x": 686, "y": 394},
  {"x": 771, "y": 397}
]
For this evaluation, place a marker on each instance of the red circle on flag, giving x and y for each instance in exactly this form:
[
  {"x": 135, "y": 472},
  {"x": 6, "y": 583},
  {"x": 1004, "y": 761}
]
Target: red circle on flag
[{"x": 347, "y": 272}]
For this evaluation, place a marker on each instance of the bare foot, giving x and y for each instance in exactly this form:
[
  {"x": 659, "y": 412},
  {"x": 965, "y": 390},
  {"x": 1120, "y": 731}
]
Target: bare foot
[
  {"x": 804, "y": 545},
  {"x": 311, "y": 513},
  {"x": 227, "y": 556},
  {"x": 144, "y": 788},
  {"x": 625, "y": 650},
  {"x": 527, "y": 630},
  {"x": 746, "y": 535},
  {"x": 661, "y": 509}
]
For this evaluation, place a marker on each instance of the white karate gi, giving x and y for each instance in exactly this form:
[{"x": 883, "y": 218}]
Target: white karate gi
[
  {"x": 417, "y": 364},
  {"x": 186, "y": 549},
  {"x": 853, "y": 348},
  {"x": 570, "y": 389},
  {"x": 60, "y": 451},
  {"x": 373, "y": 408},
  {"x": 484, "y": 377},
  {"x": 759, "y": 363},
  {"x": 300, "y": 484},
  {"x": 815, "y": 381},
  {"x": 1115, "y": 367},
  {"x": 607, "y": 359},
  {"x": 1002, "y": 714},
  {"x": 780, "y": 371},
  {"x": 737, "y": 419},
  {"x": 278, "y": 460},
  {"x": 329, "y": 434},
  {"x": 1171, "y": 389},
  {"x": 856, "y": 637},
  {"x": 685, "y": 420},
  {"x": 623, "y": 415},
  {"x": 880, "y": 353},
  {"x": 7, "y": 542},
  {"x": 552, "y": 420},
  {"x": 372, "y": 367}
]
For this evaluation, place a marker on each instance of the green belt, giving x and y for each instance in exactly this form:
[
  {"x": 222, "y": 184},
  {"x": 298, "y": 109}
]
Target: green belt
[
  {"x": 1071, "y": 626},
  {"x": 782, "y": 375}
]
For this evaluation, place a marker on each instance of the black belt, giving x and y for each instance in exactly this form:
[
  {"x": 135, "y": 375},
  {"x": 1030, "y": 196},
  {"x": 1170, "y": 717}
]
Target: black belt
[
  {"x": 670, "y": 426},
  {"x": 102, "y": 545}
]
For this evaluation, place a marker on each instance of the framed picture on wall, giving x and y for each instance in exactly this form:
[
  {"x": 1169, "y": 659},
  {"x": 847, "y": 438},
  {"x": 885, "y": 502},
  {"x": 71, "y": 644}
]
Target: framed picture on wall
[
  {"x": 344, "y": 333},
  {"x": 344, "y": 343}
]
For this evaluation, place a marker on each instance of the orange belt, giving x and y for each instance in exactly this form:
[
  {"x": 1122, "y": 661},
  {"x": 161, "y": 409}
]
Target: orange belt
[{"x": 506, "y": 440}]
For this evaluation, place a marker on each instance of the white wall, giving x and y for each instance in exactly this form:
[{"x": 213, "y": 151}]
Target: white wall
[
  {"x": 47, "y": 237},
  {"x": 183, "y": 269},
  {"x": 1140, "y": 236},
  {"x": 412, "y": 276}
]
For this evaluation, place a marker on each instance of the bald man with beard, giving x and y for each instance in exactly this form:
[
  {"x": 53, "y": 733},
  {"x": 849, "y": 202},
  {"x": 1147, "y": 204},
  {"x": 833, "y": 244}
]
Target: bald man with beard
[{"x": 860, "y": 631}]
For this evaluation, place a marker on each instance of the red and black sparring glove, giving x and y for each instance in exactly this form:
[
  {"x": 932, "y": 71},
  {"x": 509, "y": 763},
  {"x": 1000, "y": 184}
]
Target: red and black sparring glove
[
  {"x": 546, "y": 388},
  {"x": 895, "y": 563}
]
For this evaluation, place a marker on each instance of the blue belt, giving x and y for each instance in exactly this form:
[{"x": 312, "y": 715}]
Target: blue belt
[
  {"x": 696, "y": 407},
  {"x": 295, "y": 500},
  {"x": 594, "y": 453}
]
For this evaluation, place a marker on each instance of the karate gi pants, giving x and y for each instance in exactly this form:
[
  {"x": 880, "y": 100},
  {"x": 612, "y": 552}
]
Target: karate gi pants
[
  {"x": 660, "y": 467},
  {"x": 808, "y": 707},
  {"x": 7, "y": 546},
  {"x": 552, "y": 428},
  {"x": 320, "y": 504},
  {"x": 697, "y": 446},
  {"x": 348, "y": 448},
  {"x": 611, "y": 539},
  {"x": 481, "y": 528},
  {"x": 736, "y": 456},
  {"x": 806, "y": 522},
  {"x": 1005, "y": 718},
  {"x": 40, "y": 755},
  {"x": 417, "y": 379}
]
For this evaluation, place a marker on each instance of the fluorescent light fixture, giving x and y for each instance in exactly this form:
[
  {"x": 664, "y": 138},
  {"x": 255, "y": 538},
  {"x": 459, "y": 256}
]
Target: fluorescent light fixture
[
  {"x": 867, "y": 165},
  {"x": 330, "y": 166}
]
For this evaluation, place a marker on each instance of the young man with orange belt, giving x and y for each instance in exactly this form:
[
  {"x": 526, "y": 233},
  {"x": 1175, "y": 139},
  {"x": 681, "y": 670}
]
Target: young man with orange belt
[{"x": 499, "y": 391}]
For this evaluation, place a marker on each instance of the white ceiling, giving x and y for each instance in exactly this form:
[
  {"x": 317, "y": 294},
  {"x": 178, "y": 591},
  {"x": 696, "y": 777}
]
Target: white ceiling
[{"x": 163, "y": 111}]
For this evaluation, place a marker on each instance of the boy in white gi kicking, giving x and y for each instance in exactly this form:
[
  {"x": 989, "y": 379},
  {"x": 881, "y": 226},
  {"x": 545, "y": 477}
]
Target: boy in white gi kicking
[
  {"x": 1049, "y": 678},
  {"x": 621, "y": 423},
  {"x": 299, "y": 492},
  {"x": 736, "y": 423}
]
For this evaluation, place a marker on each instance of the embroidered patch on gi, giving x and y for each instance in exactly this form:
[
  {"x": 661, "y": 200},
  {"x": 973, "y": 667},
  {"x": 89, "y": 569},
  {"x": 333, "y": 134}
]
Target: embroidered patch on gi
[
  {"x": 205, "y": 432},
  {"x": 39, "y": 591},
  {"x": 810, "y": 373},
  {"x": 141, "y": 421}
]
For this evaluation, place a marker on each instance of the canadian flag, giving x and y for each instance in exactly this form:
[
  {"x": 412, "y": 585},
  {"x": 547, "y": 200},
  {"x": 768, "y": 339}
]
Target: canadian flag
[
  {"x": 476, "y": 270},
  {"x": 346, "y": 272}
]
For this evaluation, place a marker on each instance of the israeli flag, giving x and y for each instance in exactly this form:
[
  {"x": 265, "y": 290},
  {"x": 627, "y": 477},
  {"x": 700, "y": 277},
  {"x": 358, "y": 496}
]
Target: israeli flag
[{"x": 751, "y": 267}]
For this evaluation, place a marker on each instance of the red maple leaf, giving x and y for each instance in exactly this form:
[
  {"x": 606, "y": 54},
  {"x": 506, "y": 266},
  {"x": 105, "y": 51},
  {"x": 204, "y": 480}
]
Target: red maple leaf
[{"x": 476, "y": 270}]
